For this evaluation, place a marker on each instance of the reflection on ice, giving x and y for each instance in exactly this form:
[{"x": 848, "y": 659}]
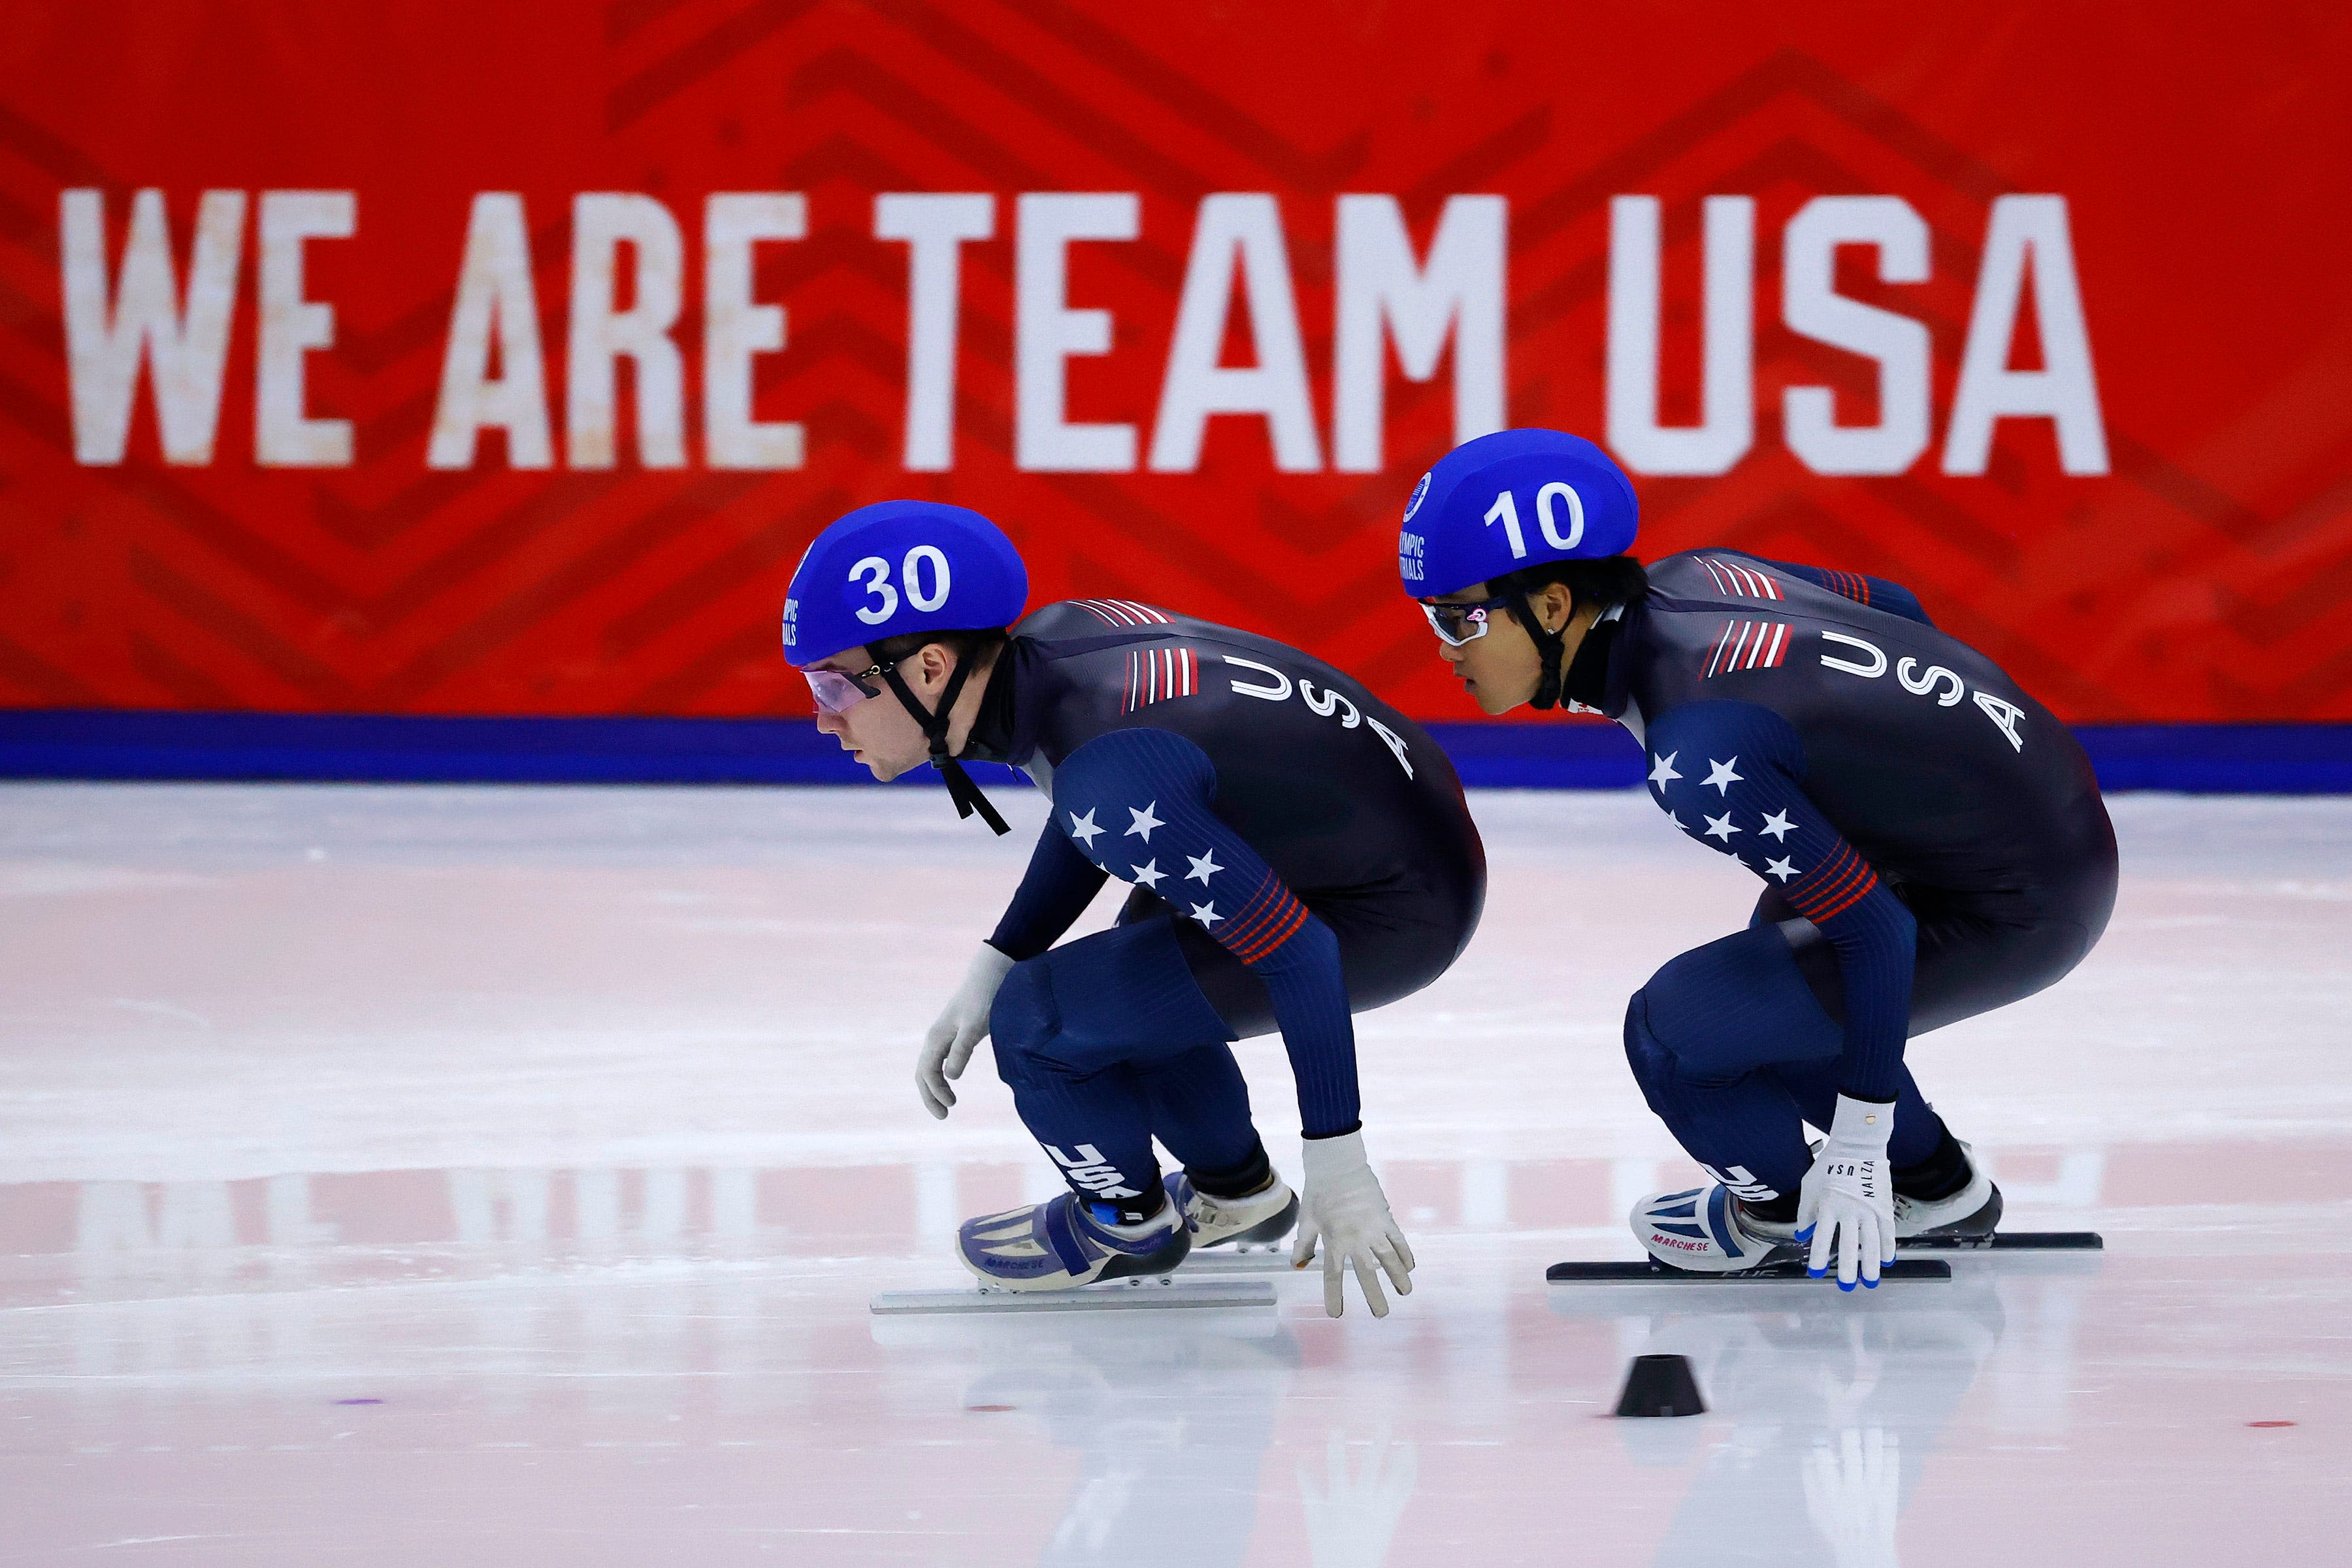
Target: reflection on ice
[
  {"x": 1355, "y": 1499},
  {"x": 1834, "y": 1409}
]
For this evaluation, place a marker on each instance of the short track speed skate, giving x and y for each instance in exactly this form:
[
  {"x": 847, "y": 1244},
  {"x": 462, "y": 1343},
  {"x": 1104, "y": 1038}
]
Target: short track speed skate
[
  {"x": 1969, "y": 1221},
  {"x": 1704, "y": 1233},
  {"x": 1236, "y": 1235},
  {"x": 1707, "y": 1230},
  {"x": 1060, "y": 1245},
  {"x": 1058, "y": 1256}
]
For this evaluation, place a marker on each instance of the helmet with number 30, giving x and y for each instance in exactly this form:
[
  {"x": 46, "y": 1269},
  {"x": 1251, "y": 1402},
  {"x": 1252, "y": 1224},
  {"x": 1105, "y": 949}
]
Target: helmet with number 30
[
  {"x": 1510, "y": 500},
  {"x": 900, "y": 566}
]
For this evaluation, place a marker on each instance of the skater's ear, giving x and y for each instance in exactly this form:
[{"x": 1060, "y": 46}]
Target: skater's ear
[
  {"x": 933, "y": 654},
  {"x": 1611, "y": 580},
  {"x": 930, "y": 665},
  {"x": 1554, "y": 603}
]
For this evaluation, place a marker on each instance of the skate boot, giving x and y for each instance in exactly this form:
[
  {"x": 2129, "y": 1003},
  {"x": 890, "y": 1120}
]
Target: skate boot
[
  {"x": 1265, "y": 1215},
  {"x": 1062, "y": 1244},
  {"x": 1966, "y": 1218},
  {"x": 1706, "y": 1231}
]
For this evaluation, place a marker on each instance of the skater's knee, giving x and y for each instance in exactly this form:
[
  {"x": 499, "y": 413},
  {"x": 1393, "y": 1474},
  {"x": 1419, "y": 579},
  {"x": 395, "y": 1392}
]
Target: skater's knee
[
  {"x": 1670, "y": 1023},
  {"x": 1659, "y": 1060},
  {"x": 1737, "y": 1002},
  {"x": 1653, "y": 1065}
]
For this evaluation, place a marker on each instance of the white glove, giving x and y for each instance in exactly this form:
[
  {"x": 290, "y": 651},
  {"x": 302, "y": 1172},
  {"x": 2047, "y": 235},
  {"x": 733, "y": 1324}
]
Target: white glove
[
  {"x": 961, "y": 1024},
  {"x": 1343, "y": 1205},
  {"x": 1847, "y": 1204}
]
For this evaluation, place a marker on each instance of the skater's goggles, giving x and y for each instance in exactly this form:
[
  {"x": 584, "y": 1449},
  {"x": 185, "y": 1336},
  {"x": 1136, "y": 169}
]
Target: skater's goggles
[
  {"x": 1458, "y": 624},
  {"x": 837, "y": 692}
]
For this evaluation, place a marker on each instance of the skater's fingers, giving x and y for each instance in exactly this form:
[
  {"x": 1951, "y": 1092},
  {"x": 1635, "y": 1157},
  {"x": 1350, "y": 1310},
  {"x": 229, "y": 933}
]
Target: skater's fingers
[
  {"x": 937, "y": 1095},
  {"x": 1335, "y": 1299},
  {"x": 1367, "y": 1279},
  {"x": 1302, "y": 1242},
  {"x": 959, "y": 1055},
  {"x": 1849, "y": 1261},
  {"x": 1404, "y": 1250},
  {"x": 1399, "y": 1271},
  {"x": 1817, "y": 1262},
  {"x": 1867, "y": 1249},
  {"x": 929, "y": 1081}
]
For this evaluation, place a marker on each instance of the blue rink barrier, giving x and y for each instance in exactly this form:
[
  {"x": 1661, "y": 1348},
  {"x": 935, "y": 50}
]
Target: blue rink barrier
[{"x": 134, "y": 745}]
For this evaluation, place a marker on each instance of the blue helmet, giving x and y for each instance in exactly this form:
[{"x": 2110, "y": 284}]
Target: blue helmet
[
  {"x": 900, "y": 566},
  {"x": 1510, "y": 500}
]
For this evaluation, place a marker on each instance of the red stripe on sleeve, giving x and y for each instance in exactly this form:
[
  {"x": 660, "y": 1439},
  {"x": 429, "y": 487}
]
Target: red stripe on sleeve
[
  {"x": 1870, "y": 880},
  {"x": 1258, "y": 910},
  {"x": 1830, "y": 884},
  {"x": 1265, "y": 948},
  {"x": 1264, "y": 922}
]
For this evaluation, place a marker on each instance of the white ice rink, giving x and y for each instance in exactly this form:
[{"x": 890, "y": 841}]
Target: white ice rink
[{"x": 452, "y": 1177}]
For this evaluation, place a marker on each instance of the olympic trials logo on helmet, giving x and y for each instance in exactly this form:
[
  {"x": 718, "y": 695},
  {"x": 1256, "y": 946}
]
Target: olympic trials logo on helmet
[{"x": 1510, "y": 500}]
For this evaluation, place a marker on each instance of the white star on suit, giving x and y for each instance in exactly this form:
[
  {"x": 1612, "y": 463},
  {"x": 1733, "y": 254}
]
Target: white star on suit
[
  {"x": 1144, "y": 823},
  {"x": 1781, "y": 868},
  {"x": 1664, "y": 774},
  {"x": 1204, "y": 868},
  {"x": 1206, "y": 914},
  {"x": 1082, "y": 829},
  {"x": 1148, "y": 874},
  {"x": 1722, "y": 778},
  {"x": 1777, "y": 826},
  {"x": 1719, "y": 826}
]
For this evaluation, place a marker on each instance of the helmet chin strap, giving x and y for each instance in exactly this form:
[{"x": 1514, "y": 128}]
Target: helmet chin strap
[
  {"x": 1550, "y": 647},
  {"x": 966, "y": 794}
]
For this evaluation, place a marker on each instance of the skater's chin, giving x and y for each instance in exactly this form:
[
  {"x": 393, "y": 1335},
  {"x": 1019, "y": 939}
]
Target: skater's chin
[{"x": 1489, "y": 704}]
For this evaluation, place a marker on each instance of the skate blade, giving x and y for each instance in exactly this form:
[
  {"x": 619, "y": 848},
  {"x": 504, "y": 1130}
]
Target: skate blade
[
  {"x": 2008, "y": 1241},
  {"x": 1649, "y": 1271},
  {"x": 1225, "y": 1260},
  {"x": 1153, "y": 1295}
]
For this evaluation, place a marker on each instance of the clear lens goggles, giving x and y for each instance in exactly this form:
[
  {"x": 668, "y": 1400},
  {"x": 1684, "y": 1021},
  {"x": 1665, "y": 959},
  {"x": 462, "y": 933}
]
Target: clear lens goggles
[
  {"x": 1458, "y": 624},
  {"x": 835, "y": 692}
]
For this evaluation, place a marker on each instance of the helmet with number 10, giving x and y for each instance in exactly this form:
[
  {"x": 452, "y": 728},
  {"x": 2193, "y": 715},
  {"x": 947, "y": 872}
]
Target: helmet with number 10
[
  {"x": 1510, "y": 500},
  {"x": 901, "y": 566}
]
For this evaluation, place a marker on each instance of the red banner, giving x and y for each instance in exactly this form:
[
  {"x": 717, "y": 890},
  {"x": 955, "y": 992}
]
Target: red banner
[{"x": 462, "y": 359}]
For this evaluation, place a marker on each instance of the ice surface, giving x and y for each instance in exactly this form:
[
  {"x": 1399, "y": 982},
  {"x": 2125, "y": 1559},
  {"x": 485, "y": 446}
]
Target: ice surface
[{"x": 448, "y": 1176}]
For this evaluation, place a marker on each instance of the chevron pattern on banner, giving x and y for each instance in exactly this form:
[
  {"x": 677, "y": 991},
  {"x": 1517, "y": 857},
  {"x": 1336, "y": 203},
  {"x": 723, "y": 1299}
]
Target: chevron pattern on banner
[{"x": 2201, "y": 578}]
